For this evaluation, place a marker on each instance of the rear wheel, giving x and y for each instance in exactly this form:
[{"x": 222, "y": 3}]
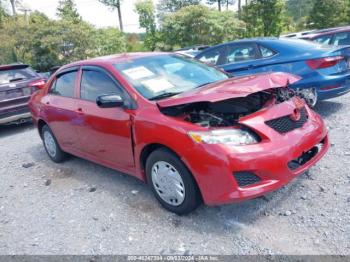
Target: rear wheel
[
  {"x": 171, "y": 182},
  {"x": 51, "y": 146}
]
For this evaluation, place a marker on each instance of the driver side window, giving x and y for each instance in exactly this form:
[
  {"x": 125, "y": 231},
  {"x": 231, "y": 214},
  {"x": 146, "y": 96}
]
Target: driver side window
[{"x": 96, "y": 83}]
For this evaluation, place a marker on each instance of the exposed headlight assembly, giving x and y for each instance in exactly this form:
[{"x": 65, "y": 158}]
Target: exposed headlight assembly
[{"x": 236, "y": 137}]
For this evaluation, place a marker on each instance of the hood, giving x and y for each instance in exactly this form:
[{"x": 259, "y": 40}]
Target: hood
[{"x": 231, "y": 88}]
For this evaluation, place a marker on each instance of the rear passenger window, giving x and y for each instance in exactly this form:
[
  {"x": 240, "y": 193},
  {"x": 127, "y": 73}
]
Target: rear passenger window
[
  {"x": 240, "y": 53},
  {"x": 324, "y": 40},
  {"x": 212, "y": 56},
  {"x": 64, "y": 85},
  {"x": 265, "y": 52},
  {"x": 341, "y": 39},
  {"x": 95, "y": 83}
]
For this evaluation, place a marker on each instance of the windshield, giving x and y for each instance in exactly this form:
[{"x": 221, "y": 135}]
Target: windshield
[
  {"x": 12, "y": 75},
  {"x": 165, "y": 75}
]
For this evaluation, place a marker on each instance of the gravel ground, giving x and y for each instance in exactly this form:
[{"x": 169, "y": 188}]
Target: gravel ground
[{"x": 82, "y": 208}]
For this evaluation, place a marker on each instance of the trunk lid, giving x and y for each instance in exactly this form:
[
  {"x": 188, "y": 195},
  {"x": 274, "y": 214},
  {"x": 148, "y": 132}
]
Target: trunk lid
[{"x": 231, "y": 88}]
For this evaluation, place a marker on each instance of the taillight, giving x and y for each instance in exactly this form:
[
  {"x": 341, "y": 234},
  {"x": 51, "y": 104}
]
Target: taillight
[
  {"x": 39, "y": 84},
  {"x": 324, "y": 62}
]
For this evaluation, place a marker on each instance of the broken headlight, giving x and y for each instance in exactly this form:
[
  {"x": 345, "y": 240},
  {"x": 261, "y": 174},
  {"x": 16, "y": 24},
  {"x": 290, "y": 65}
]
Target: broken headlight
[{"x": 236, "y": 137}]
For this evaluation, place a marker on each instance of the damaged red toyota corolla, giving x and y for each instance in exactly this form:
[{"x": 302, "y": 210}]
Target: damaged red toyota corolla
[{"x": 183, "y": 127}]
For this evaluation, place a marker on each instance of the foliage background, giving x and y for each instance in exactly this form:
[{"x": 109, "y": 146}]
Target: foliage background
[{"x": 43, "y": 43}]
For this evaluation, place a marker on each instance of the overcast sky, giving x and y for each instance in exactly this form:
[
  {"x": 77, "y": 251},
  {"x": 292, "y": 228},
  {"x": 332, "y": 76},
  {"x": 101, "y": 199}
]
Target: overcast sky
[{"x": 94, "y": 12}]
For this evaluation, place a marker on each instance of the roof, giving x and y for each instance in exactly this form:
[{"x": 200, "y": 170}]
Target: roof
[
  {"x": 125, "y": 56},
  {"x": 328, "y": 31},
  {"x": 13, "y": 66},
  {"x": 113, "y": 59}
]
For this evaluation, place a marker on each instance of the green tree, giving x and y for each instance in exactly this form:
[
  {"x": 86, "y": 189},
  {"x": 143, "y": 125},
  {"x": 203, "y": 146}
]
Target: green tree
[
  {"x": 115, "y": 4},
  {"x": 218, "y": 2},
  {"x": 170, "y": 6},
  {"x": 45, "y": 42},
  {"x": 108, "y": 41},
  {"x": 221, "y": 3},
  {"x": 147, "y": 20},
  {"x": 68, "y": 11},
  {"x": 3, "y": 13},
  {"x": 264, "y": 17},
  {"x": 199, "y": 25},
  {"x": 328, "y": 13},
  {"x": 297, "y": 9}
]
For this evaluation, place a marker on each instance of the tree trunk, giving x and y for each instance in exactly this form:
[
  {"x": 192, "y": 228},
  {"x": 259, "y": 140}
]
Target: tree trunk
[
  {"x": 120, "y": 16},
  {"x": 13, "y": 5},
  {"x": 219, "y": 5},
  {"x": 120, "y": 19},
  {"x": 239, "y": 8}
]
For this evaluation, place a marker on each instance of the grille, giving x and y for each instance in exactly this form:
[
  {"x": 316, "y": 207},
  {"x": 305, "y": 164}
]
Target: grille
[
  {"x": 246, "y": 178},
  {"x": 305, "y": 157},
  {"x": 286, "y": 124}
]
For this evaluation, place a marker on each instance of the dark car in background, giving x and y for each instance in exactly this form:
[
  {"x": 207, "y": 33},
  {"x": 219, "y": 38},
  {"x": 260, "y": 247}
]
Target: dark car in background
[
  {"x": 17, "y": 83},
  {"x": 338, "y": 36},
  {"x": 325, "y": 70}
]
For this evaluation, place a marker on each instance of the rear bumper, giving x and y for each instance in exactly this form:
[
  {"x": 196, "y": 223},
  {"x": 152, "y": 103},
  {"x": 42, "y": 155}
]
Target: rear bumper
[
  {"x": 15, "y": 115},
  {"x": 334, "y": 92},
  {"x": 326, "y": 86}
]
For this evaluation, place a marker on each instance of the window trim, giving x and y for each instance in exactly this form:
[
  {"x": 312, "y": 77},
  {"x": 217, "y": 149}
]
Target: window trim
[
  {"x": 130, "y": 103},
  {"x": 61, "y": 73}
]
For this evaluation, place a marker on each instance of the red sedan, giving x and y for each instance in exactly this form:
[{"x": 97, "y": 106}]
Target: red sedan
[{"x": 184, "y": 127}]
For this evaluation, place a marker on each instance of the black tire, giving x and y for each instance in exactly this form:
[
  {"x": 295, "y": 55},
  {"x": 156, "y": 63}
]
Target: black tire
[
  {"x": 192, "y": 195},
  {"x": 59, "y": 156}
]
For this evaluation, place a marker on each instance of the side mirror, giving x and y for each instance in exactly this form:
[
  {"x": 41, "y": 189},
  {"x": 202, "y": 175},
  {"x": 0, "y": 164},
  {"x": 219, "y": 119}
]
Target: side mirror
[{"x": 108, "y": 101}]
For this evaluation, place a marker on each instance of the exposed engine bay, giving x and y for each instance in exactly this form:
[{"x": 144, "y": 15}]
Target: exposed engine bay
[{"x": 227, "y": 112}]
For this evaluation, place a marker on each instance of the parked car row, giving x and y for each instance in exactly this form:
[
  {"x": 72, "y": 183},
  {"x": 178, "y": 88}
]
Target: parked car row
[{"x": 325, "y": 71}]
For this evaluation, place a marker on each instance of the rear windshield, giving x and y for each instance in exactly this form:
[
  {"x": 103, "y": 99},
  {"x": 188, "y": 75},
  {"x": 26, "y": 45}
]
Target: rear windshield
[{"x": 16, "y": 74}]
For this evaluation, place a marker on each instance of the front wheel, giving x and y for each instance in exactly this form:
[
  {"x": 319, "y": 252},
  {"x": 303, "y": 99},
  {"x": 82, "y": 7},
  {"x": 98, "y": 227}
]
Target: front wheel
[
  {"x": 171, "y": 182},
  {"x": 51, "y": 146}
]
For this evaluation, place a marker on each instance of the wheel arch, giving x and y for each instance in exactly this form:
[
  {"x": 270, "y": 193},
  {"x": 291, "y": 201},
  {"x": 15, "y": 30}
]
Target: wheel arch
[
  {"x": 41, "y": 124},
  {"x": 147, "y": 151}
]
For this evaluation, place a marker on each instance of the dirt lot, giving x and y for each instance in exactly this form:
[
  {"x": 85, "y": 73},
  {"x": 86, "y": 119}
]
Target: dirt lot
[{"x": 81, "y": 208}]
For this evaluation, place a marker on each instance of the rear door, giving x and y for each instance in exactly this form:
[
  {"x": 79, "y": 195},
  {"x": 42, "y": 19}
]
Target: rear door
[
  {"x": 60, "y": 108},
  {"x": 104, "y": 133},
  {"x": 241, "y": 58}
]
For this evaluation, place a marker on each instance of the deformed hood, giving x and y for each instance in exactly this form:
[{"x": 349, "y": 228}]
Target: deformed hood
[{"x": 231, "y": 88}]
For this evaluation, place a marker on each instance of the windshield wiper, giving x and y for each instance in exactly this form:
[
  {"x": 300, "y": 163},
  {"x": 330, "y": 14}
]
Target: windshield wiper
[
  {"x": 16, "y": 79},
  {"x": 164, "y": 95},
  {"x": 207, "y": 83}
]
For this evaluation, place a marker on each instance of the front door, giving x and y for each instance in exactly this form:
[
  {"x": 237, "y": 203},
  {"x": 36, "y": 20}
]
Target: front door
[{"x": 104, "y": 133}]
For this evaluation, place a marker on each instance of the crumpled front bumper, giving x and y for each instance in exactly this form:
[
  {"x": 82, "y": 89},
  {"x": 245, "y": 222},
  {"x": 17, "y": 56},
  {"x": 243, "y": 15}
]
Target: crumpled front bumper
[{"x": 213, "y": 166}]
